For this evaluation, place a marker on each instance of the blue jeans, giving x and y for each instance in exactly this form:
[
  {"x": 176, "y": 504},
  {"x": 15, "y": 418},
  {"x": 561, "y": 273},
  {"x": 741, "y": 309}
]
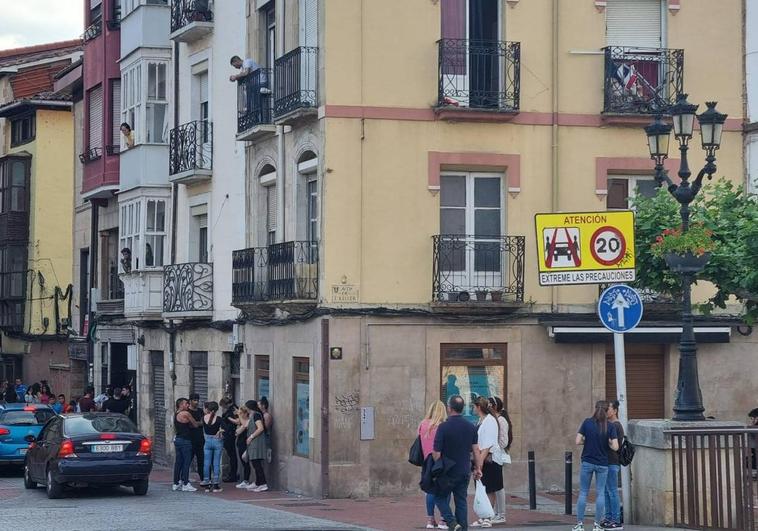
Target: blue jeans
[
  {"x": 585, "y": 479},
  {"x": 612, "y": 503},
  {"x": 458, "y": 488},
  {"x": 183, "y": 459},
  {"x": 431, "y": 502},
  {"x": 212, "y": 462}
]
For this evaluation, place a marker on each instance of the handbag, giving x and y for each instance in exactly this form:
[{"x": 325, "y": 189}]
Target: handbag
[
  {"x": 482, "y": 506},
  {"x": 626, "y": 453},
  {"x": 416, "y": 453}
]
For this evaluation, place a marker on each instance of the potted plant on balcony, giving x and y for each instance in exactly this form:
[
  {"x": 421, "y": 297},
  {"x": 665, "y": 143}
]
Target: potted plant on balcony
[
  {"x": 497, "y": 295},
  {"x": 685, "y": 252},
  {"x": 481, "y": 295}
]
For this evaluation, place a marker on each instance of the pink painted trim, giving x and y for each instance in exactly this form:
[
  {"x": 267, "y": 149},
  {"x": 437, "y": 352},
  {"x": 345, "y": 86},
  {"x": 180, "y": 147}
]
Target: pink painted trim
[
  {"x": 674, "y": 6},
  {"x": 522, "y": 118},
  {"x": 600, "y": 5},
  {"x": 511, "y": 163},
  {"x": 642, "y": 165}
]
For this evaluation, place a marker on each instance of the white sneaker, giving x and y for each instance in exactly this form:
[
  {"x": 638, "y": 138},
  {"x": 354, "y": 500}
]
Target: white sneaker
[
  {"x": 242, "y": 485},
  {"x": 597, "y": 527},
  {"x": 483, "y": 523},
  {"x": 176, "y": 486},
  {"x": 442, "y": 525},
  {"x": 261, "y": 488},
  {"x": 578, "y": 527},
  {"x": 498, "y": 519},
  {"x": 188, "y": 488}
]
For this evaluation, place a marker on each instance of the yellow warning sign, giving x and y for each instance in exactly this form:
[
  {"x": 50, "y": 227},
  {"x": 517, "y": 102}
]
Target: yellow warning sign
[{"x": 585, "y": 247}]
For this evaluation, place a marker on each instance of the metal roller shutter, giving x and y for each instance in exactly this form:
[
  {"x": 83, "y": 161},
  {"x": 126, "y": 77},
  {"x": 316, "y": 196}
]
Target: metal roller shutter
[
  {"x": 159, "y": 407},
  {"x": 96, "y": 117},
  {"x": 115, "y": 112},
  {"x": 271, "y": 208},
  {"x": 634, "y": 23},
  {"x": 200, "y": 382},
  {"x": 644, "y": 380}
]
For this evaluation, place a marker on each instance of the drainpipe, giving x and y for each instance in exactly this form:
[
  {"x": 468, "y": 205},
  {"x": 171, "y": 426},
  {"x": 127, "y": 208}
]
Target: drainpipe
[
  {"x": 281, "y": 171},
  {"x": 555, "y": 180},
  {"x": 174, "y": 206},
  {"x": 94, "y": 222}
]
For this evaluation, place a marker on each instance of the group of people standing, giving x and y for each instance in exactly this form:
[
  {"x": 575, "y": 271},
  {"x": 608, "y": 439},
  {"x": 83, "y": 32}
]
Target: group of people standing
[
  {"x": 452, "y": 447},
  {"x": 243, "y": 432},
  {"x": 37, "y": 393}
]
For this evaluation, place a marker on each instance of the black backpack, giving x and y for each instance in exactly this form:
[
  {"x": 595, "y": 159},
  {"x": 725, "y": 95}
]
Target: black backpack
[{"x": 626, "y": 453}]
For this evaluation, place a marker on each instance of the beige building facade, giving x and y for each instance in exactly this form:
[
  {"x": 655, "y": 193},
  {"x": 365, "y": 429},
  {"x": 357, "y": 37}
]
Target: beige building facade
[{"x": 392, "y": 180}]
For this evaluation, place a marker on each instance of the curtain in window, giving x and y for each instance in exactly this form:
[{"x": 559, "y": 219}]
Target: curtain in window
[{"x": 453, "y": 27}]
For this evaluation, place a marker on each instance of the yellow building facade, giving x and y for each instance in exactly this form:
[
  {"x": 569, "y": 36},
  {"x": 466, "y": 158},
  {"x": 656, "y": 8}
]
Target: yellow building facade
[{"x": 440, "y": 128}]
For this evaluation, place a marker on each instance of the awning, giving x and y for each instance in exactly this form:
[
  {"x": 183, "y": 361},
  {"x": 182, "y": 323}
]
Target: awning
[{"x": 653, "y": 333}]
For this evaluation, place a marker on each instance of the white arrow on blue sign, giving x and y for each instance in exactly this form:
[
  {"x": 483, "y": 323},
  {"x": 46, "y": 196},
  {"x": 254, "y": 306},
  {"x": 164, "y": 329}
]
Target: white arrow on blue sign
[{"x": 620, "y": 308}]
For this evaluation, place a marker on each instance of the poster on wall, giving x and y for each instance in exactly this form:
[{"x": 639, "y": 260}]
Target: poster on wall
[
  {"x": 302, "y": 428},
  {"x": 472, "y": 382},
  {"x": 263, "y": 388}
]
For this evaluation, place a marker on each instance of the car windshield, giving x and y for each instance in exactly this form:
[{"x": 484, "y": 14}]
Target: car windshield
[
  {"x": 88, "y": 424},
  {"x": 22, "y": 417}
]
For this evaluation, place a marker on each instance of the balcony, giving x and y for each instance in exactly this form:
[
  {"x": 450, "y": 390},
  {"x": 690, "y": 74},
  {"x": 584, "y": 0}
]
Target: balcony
[
  {"x": 188, "y": 290},
  {"x": 110, "y": 300},
  {"x": 91, "y": 155},
  {"x": 191, "y": 19},
  {"x": 281, "y": 272},
  {"x": 93, "y": 31},
  {"x": 641, "y": 81},
  {"x": 191, "y": 152},
  {"x": 478, "y": 270},
  {"x": 296, "y": 85},
  {"x": 13, "y": 285},
  {"x": 478, "y": 80},
  {"x": 143, "y": 294},
  {"x": 255, "y": 106}
]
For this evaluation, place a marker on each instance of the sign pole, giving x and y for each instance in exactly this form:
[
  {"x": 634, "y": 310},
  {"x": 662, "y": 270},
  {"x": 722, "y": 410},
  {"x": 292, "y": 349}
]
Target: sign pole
[{"x": 620, "y": 357}]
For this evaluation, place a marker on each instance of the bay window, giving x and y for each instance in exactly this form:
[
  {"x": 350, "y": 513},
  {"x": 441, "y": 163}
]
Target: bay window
[
  {"x": 144, "y": 100},
  {"x": 143, "y": 232}
]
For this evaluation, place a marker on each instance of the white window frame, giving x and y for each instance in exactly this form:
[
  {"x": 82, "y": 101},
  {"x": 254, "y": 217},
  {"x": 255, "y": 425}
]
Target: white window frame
[
  {"x": 134, "y": 233},
  {"x": 631, "y": 186},
  {"x": 136, "y": 99}
]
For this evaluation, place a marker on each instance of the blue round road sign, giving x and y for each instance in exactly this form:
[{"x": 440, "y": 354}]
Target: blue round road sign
[{"x": 620, "y": 308}]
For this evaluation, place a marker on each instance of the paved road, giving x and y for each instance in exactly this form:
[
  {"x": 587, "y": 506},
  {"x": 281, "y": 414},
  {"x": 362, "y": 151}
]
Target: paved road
[{"x": 118, "y": 509}]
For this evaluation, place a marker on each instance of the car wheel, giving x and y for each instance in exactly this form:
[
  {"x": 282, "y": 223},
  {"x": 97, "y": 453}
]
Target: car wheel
[
  {"x": 54, "y": 489},
  {"x": 29, "y": 483},
  {"x": 140, "y": 487}
]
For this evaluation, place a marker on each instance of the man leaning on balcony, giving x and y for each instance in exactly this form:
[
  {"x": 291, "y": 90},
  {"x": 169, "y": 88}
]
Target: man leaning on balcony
[{"x": 246, "y": 67}]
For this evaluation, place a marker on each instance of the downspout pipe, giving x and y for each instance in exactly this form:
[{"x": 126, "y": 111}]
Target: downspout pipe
[
  {"x": 174, "y": 207},
  {"x": 555, "y": 170},
  {"x": 281, "y": 170}
]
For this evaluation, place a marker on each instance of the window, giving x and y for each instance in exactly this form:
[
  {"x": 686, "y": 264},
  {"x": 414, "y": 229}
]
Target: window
[
  {"x": 199, "y": 374},
  {"x": 96, "y": 118},
  {"x": 633, "y": 23},
  {"x": 14, "y": 267},
  {"x": 198, "y": 233},
  {"x": 268, "y": 18},
  {"x": 131, "y": 5},
  {"x": 130, "y": 232},
  {"x": 155, "y": 233},
  {"x": 234, "y": 359},
  {"x": 262, "y": 379},
  {"x": 83, "y": 287},
  {"x": 145, "y": 238},
  {"x": 620, "y": 189},
  {"x": 302, "y": 392},
  {"x": 22, "y": 129},
  {"x": 471, "y": 211},
  {"x": 471, "y": 371},
  {"x": 116, "y": 11},
  {"x": 131, "y": 98},
  {"x": 95, "y": 11},
  {"x": 157, "y": 118},
  {"x": 14, "y": 178}
]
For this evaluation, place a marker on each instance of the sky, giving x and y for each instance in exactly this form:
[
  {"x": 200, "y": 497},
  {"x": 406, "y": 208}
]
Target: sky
[{"x": 29, "y": 22}]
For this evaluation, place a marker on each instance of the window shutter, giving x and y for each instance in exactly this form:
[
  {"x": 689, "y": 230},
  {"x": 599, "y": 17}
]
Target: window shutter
[
  {"x": 453, "y": 19},
  {"x": 645, "y": 380},
  {"x": 94, "y": 3},
  {"x": 618, "y": 193},
  {"x": 311, "y": 23},
  {"x": 271, "y": 208},
  {"x": 96, "y": 117},
  {"x": 116, "y": 112},
  {"x": 633, "y": 23},
  {"x": 203, "y": 82}
]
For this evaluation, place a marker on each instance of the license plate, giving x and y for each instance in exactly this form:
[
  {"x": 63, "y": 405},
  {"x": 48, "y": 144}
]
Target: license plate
[
  {"x": 105, "y": 448},
  {"x": 22, "y": 451}
]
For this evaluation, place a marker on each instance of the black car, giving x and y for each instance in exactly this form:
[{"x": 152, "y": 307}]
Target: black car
[{"x": 88, "y": 449}]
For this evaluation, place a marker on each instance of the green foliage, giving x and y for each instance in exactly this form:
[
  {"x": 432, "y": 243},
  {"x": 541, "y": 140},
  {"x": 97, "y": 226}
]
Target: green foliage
[
  {"x": 732, "y": 216},
  {"x": 698, "y": 240}
]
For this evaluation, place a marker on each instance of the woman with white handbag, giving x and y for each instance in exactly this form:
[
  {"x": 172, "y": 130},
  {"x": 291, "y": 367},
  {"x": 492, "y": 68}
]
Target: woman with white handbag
[{"x": 490, "y": 456}]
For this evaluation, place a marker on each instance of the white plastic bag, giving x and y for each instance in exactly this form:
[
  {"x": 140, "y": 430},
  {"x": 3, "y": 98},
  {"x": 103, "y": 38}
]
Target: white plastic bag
[{"x": 482, "y": 506}]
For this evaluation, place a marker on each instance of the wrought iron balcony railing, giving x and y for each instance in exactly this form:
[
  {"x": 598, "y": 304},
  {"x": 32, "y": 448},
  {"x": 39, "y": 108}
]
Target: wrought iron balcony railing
[
  {"x": 184, "y": 12},
  {"x": 93, "y": 31},
  {"x": 295, "y": 81},
  {"x": 478, "y": 268},
  {"x": 280, "y": 272},
  {"x": 642, "y": 80},
  {"x": 191, "y": 147},
  {"x": 479, "y": 74},
  {"x": 254, "y": 100},
  {"x": 90, "y": 155},
  {"x": 188, "y": 288}
]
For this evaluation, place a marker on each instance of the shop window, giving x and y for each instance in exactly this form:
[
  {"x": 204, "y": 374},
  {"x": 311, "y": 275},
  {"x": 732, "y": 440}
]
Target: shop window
[
  {"x": 302, "y": 391},
  {"x": 22, "y": 130},
  {"x": 262, "y": 378},
  {"x": 471, "y": 371}
]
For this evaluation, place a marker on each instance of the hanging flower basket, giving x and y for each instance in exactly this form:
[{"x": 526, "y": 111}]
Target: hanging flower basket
[{"x": 687, "y": 262}]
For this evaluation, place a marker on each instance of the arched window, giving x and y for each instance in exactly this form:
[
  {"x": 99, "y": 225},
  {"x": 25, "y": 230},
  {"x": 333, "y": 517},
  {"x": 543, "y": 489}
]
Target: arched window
[{"x": 307, "y": 166}]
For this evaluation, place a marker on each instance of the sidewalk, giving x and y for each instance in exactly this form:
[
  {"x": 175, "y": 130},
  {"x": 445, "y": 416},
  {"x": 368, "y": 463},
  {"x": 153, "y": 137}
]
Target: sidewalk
[{"x": 385, "y": 513}]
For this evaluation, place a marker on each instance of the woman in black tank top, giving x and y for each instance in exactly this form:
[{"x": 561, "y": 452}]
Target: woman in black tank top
[
  {"x": 183, "y": 423},
  {"x": 214, "y": 445}
]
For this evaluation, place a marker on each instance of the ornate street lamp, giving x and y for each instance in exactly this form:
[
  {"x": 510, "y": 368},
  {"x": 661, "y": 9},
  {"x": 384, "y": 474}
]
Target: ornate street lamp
[{"x": 688, "y": 404}]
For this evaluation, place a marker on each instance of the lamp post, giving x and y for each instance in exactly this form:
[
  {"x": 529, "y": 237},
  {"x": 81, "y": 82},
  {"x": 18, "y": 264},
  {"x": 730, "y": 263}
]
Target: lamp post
[{"x": 688, "y": 404}]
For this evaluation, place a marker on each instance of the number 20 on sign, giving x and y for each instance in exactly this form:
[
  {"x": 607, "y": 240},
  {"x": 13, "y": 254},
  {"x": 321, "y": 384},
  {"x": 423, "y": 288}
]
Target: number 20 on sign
[{"x": 585, "y": 247}]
